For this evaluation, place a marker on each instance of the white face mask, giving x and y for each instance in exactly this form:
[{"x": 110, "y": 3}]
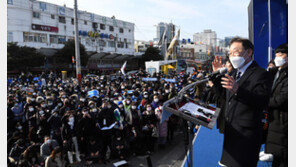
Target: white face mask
[
  {"x": 128, "y": 102},
  {"x": 149, "y": 108},
  {"x": 237, "y": 61},
  {"x": 278, "y": 61},
  {"x": 109, "y": 106},
  {"x": 94, "y": 110},
  {"x": 120, "y": 106},
  {"x": 119, "y": 98},
  {"x": 156, "y": 100},
  {"x": 31, "y": 109},
  {"x": 146, "y": 96},
  {"x": 134, "y": 107}
]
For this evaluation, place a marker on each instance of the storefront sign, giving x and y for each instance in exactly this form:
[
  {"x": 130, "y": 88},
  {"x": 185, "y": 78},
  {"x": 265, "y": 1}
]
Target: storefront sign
[
  {"x": 95, "y": 34},
  {"x": 44, "y": 28}
]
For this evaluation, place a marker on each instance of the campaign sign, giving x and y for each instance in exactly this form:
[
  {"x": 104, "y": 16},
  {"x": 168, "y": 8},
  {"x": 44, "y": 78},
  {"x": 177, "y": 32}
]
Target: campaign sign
[
  {"x": 149, "y": 79},
  {"x": 93, "y": 93}
]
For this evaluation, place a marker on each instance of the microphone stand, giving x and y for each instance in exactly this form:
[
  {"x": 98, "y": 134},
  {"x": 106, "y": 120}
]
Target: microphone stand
[{"x": 189, "y": 119}]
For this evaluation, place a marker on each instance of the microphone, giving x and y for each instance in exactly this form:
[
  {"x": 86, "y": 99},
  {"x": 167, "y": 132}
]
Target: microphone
[{"x": 219, "y": 72}]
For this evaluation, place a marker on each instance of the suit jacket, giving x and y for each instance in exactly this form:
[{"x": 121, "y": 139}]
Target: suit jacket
[{"x": 243, "y": 114}]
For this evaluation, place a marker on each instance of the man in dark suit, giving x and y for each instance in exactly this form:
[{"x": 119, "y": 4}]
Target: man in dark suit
[
  {"x": 276, "y": 145},
  {"x": 247, "y": 94}
]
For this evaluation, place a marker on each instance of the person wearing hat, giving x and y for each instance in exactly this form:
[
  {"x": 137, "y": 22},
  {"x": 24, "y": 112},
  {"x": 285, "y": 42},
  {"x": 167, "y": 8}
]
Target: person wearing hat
[{"x": 276, "y": 147}]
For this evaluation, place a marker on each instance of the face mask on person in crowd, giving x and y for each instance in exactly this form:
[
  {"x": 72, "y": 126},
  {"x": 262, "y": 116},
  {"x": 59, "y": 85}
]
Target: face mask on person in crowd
[
  {"x": 31, "y": 109},
  {"x": 119, "y": 98},
  {"x": 109, "y": 106},
  {"x": 94, "y": 110},
  {"x": 115, "y": 101},
  {"x": 156, "y": 100},
  {"x": 120, "y": 105},
  {"x": 167, "y": 91},
  {"x": 50, "y": 103},
  {"x": 92, "y": 106},
  {"x": 145, "y": 96},
  {"x": 60, "y": 104},
  {"x": 149, "y": 108},
  {"x": 43, "y": 105},
  {"x": 128, "y": 102},
  {"x": 134, "y": 107},
  {"x": 279, "y": 61},
  {"x": 82, "y": 99},
  {"x": 19, "y": 127},
  {"x": 122, "y": 87}
]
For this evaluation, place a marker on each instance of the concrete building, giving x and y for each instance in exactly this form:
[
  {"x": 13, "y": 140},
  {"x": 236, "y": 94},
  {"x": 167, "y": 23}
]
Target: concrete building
[
  {"x": 47, "y": 26},
  {"x": 207, "y": 37},
  {"x": 191, "y": 51}
]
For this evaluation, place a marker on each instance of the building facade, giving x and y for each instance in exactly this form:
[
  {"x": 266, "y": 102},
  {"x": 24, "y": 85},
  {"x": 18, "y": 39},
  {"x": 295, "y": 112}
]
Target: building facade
[
  {"x": 207, "y": 37},
  {"x": 44, "y": 25}
]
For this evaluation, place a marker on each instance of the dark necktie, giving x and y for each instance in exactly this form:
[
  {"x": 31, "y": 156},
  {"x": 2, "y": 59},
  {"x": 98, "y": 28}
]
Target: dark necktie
[
  {"x": 238, "y": 75},
  {"x": 275, "y": 78}
]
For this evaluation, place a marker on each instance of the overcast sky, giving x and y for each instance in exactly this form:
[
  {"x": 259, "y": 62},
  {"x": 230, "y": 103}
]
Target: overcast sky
[{"x": 226, "y": 17}]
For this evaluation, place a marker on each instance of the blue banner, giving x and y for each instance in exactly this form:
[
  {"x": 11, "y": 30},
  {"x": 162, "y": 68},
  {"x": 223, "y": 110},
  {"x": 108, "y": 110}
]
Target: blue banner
[
  {"x": 169, "y": 80},
  {"x": 149, "y": 79}
]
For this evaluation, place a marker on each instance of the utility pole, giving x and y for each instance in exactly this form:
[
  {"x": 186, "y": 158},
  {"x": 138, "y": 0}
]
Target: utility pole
[{"x": 77, "y": 47}]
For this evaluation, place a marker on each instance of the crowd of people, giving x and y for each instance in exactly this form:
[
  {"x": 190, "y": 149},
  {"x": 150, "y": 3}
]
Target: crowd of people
[
  {"x": 54, "y": 121},
  {"x": 50, "y": 118}
]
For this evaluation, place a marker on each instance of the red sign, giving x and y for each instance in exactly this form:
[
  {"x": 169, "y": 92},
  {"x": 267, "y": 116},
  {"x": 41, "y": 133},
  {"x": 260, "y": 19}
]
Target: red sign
[
  {"x": 73, "y": 60},
  {"x": 44, "y": 28}
]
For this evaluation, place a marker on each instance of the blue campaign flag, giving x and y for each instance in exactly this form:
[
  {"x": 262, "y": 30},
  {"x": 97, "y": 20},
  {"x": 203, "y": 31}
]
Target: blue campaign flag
[{"x": 93, "y": 93}]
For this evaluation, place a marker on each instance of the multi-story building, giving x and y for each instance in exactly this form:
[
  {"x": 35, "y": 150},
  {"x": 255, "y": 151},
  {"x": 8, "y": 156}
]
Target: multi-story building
[
  {"x": 207, "y": 37},
  {"x": 48, "y": 26},
  {"x": 194, "y": 52},
  {"x": 170, "y": 31}
]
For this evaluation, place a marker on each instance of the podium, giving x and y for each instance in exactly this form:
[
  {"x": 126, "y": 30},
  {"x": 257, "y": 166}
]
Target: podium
[{"x": 193, "y": 111}]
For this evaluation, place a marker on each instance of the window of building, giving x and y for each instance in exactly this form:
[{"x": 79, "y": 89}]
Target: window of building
[
  {"x": 10, "y": 2},
  {"x": 52, "y": 16},
  {"x": 62, "y": 19},
  {"x": 95, "y": 25},
  {"x": 102, "y": 43},
  {"x": 111, "y": 44},
  {"x": 111, "y": 28},
  {"x": 65, "y": 27},
  {"x": 9, "y": 36},
  {"x": 35, "y": 37},
  {"x": 121, "y": 30},
  {"x": 129, "y": 30},
  {"x": 120, "y": 44},
  {"x": 57, "y": 39},
  {"x": 85, "y": 22},
  {"x": 102, "y": 26},
  {"x": 36, "y": 15}
]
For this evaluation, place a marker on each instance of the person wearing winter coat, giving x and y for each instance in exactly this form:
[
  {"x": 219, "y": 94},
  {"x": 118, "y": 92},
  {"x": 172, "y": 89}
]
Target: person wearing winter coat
[
  {"x": 276, "y": 147},
  {"x": 70, "y": 135}
]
